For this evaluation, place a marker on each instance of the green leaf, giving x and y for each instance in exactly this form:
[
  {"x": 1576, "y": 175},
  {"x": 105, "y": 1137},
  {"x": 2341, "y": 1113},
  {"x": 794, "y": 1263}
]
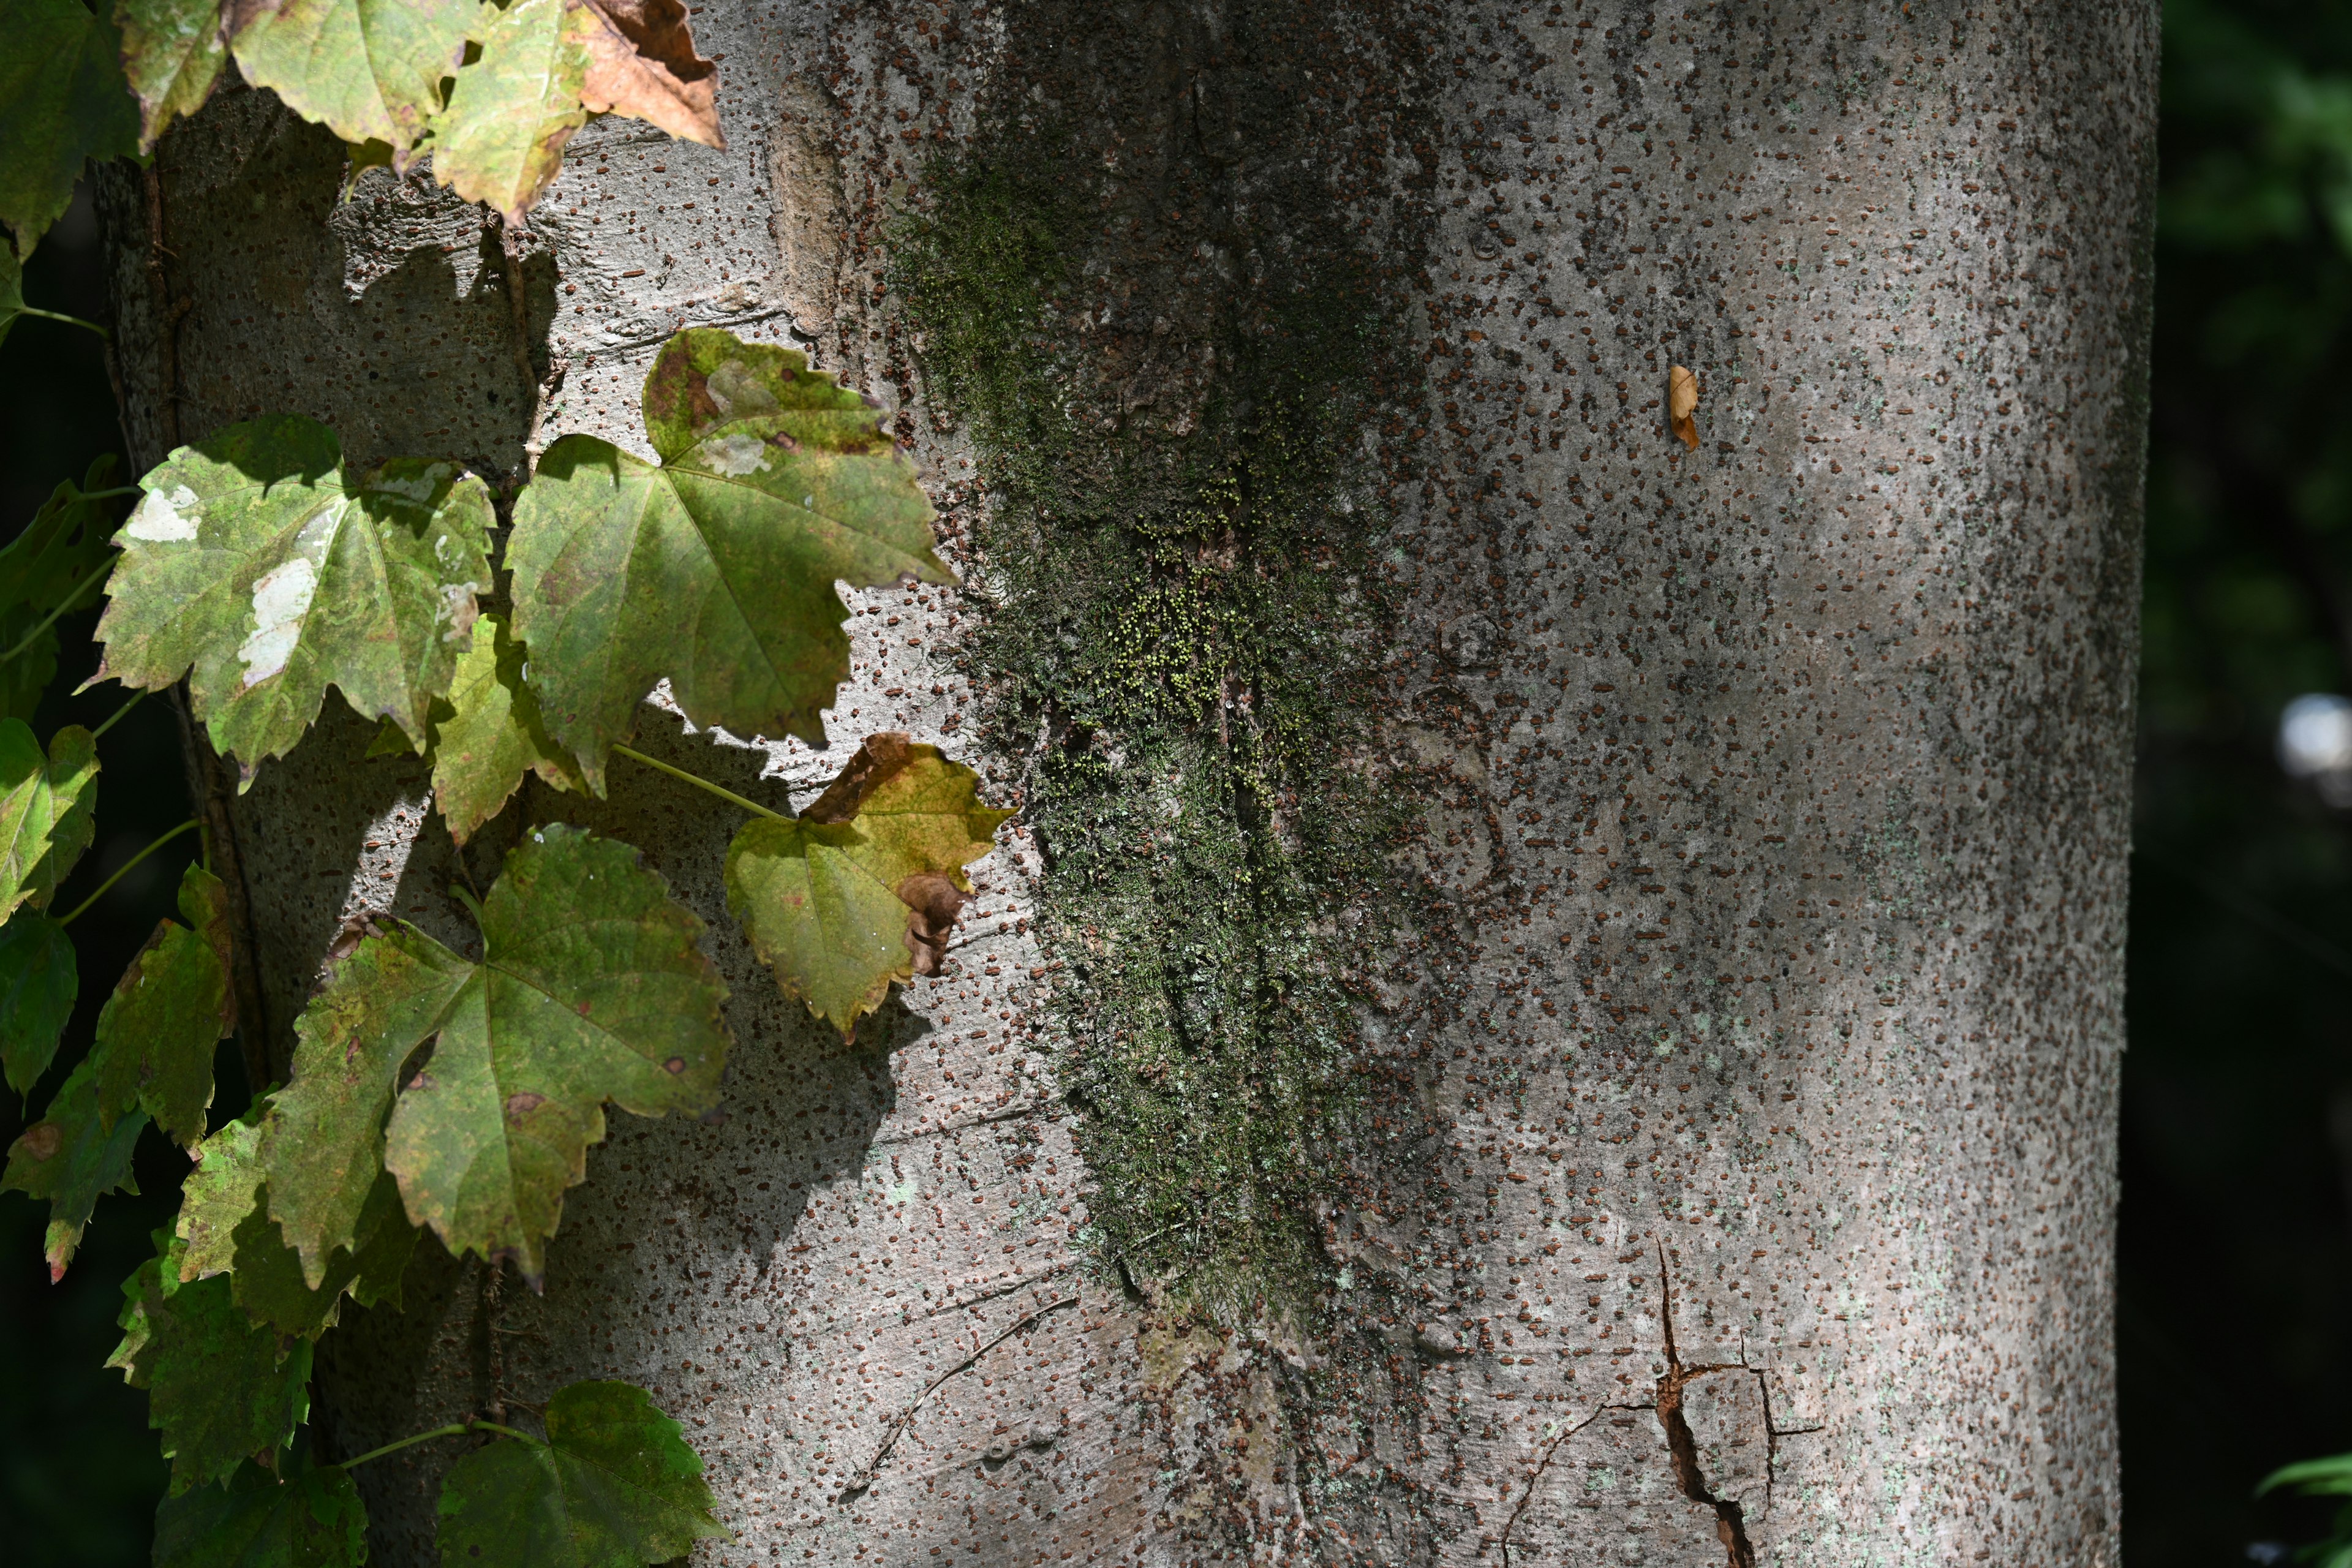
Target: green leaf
[
  {"x": 370, "y": 70},
  {"x": 259, "y": 561},
  {"x": 44, "y": 810},
  {"x": 55, "y": 561},
  {"x": 62, "y": 102},
  {"x": 71, "y": 1161},
  {"x": 311, "y": 1519},
  {"x": 715, "y": 569},
  {"x": 591, "y": 988},
  {"x": 510, "y": 112},
  {"x": 493, "y": 736},
  {"x": 220, "y": 1387},
  {"x": 12, "y": 290},
  {"x": 225, "y": 1221},
  {"x": 615, "y": 1486},
  {"x": 862, "y": 887},
  {"x": 172, "y": 54},
  {"x": 157, "y": 1033},
  {"x": 38, "y": 983}
]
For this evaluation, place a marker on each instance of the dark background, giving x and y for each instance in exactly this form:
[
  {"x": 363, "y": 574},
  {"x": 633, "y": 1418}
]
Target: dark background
[{"x": 2235, "y": 1329}]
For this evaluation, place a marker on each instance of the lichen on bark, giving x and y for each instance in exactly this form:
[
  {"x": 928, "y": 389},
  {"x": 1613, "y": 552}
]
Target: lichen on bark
[{"x": 1171, "y": 338}]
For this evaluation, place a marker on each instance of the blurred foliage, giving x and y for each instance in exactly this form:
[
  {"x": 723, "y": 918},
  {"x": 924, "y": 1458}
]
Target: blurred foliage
[{"x": 2236, "y": 1259}]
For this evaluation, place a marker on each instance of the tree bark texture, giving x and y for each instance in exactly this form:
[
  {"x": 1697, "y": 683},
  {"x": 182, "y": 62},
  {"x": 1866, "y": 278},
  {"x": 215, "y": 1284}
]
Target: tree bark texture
[{"x": 1556, "y": 997}]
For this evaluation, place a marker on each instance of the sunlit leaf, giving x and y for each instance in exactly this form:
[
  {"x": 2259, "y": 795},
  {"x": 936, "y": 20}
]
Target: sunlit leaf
[
  {"x": 226, "y": 1224},
  {"x": 715, "y": 569},
  {"x": 158, "y": 1030},
  {"x": 642, "y": 64},
  {"x": 46, "y": 801},
  {"x": 370, "y": 70},
  {"x": 590, "y": 989},
  {"x": 861, "y": 890},
  {"x": 510, "y": 112},
  {"x": 220, "y": 1387},
  {"x": 311, "y": 1518},
  {"x": 62, "y": 102},
  {"x": 257, "y": 562},
  {"x": 493, "y": 736},
  {"x": 614, "y": 1486},
  {"x": 172, "y": 54},
  {"x": 70, "y": 1160},
  {"x": 38, "y": 983}
]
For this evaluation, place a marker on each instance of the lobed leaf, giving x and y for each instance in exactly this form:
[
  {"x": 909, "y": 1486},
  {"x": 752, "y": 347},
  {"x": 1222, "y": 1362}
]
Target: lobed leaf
[
  {"x": 494, "y": 735},
  {"x": 38, "y": 983},
  {"x": 157, "y": 1033},
  {"x": 862, "y": 888},
  {"x": 225, "y": 1222},
  {"x": 311, "y": 1518},
  {"x": 46, "y": 803},
  {"x": 642, "y": 64},
  {"x": 54, "y": 562},
  {"x": 172, "y": 54},
  {"x": 590, "y": 989},
  {"x": 71, "y": 1160},
  {"x": 614, "y": 1486},
  {"x": 501, "y": 141},
  {"x": 62, "y": 102},
  {"x": 370, "y": 70},
  {"x": 263, "y": 570},
  {"x": 220, "y": 1387},
  {"x": 716, "y": 568}
]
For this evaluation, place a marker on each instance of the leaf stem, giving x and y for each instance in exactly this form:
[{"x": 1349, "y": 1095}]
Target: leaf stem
[
  {"x": 502, "y": 1431},
  {"x": 80, "y": 494},
  {"x": 116, "y": 717},
  {"x": 698, "y": 781},
  {"x": 454, "y": 1429},
  {"x": 50, "y": 619},
  {"x": 74, "y": 320},
  {"x": 126, "y": 866}
]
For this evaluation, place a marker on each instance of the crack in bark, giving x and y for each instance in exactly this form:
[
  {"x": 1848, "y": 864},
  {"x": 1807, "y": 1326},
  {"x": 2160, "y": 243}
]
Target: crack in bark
[
  {"x": 1730, "y": 1526},
  {"x": 864, "y": 1477}
]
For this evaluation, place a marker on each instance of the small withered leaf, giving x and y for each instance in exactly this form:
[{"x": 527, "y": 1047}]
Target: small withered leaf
[
  {"x": 933, "y": 903},
  {"x": 1682, "y": 402}
]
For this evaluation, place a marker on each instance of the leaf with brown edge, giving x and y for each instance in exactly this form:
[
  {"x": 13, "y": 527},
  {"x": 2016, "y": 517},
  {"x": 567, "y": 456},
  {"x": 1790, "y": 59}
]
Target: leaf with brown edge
[
  {"x": 174, "y": 1003},
  {"x": 642, "y": 64},
  {"x": 863, "y": 888},
  {"x": 172, "y": 54},
  {"x": 67, "y": 1159},
  {"x": 511, "y": 110},
  {"x": 1682, "y": 402},
  {"x": 369, "y": 70}
]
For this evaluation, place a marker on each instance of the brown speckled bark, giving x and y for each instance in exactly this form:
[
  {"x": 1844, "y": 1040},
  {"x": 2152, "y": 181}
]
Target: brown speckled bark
[{"x": 1774, "y": 791}]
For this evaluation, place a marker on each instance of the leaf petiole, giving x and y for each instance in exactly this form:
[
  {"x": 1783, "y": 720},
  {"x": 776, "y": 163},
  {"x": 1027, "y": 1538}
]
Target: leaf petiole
[
  {"x": 71, "y": 321},
  {"x": 698, "y": 781},
  {"x": 50, "y": 619},
  {"x": 119, "y": 871},
  {"x": 454, "y": 1429},
  {"x": 116, "y": 717}
]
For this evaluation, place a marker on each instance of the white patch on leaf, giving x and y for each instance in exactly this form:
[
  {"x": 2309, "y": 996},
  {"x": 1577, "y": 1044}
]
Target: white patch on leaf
[
  {"x": 737, "y": 455},
  {"x": 459, "y": 608},
  {"x": 738, "y": 392},
  {"x": 419, "y": 488},
  {"x": 282, "y": 595},
  {"x": 162, "y": 519}
]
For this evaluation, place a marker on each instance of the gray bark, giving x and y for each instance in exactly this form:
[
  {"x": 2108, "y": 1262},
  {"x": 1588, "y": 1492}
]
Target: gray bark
[{"x": 1741, "y": 994}]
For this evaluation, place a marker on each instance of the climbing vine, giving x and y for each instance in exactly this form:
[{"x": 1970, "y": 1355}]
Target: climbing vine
[{"x": 430, "y": 1089}]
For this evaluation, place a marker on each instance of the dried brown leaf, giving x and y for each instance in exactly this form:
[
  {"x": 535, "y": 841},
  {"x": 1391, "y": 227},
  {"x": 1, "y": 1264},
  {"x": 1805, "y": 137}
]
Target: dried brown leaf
[
  {"x": 1682, "y": 402},
  {"x": 642, "y": 63}
]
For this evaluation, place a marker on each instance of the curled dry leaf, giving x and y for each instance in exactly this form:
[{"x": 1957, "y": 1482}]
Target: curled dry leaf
[
  {"x": 932, "y": 902},
  {"x": 642, "y": 64},
  {"x": 1682, "y": 402}
]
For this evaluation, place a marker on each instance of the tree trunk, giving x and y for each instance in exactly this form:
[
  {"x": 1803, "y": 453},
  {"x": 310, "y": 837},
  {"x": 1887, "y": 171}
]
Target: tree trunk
[{"x": 1556, "y": 996}]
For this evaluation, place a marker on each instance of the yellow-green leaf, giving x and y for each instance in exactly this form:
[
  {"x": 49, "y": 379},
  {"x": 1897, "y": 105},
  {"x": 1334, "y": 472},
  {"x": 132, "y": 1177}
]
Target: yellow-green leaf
[
  {"x": 370, "y": 70},
  {"x": 46, "y": 802},
  {"x": 715, "y": 569},
  {"x": 70, "y": 1160},
  {"x": 492, "y": 736},
  {"x": 590, "y": 989},
  {"x": 259, "y": 567},
  {"x": 862, "y": 888},
  {"x": 172, "y": 54},
  {"x": 510, "y": 112}
]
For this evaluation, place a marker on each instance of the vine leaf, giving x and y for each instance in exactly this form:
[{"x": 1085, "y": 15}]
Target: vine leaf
[
  {"x": 492, "y": 736},
  {"x": 38, "y": 983},
  {"x": 256, "y": 559},
  {"x": 69, "y": 1159},
  {"x": 590, "y": 989},
  {"x": 716, "y": 568},
  {"x": 370, "y": 70},
  {"x": 49, "y": 566},
  {"x": 172, "y": 1006},
  {"x": 614, "y": 1486},
  {"x": 12, "y": 290},
  {"x": 46, "y": 802},
  {"x": 62, "y": 102},
  {"x": 226, "y": 1224},
  {"x": 172, "y": 54},
  {"x": 545, "y": 66},
  {"x": 861, "y": 888},
  {"x": 314, "y": 1518},
  {"x": 219, "y": 1386}
]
